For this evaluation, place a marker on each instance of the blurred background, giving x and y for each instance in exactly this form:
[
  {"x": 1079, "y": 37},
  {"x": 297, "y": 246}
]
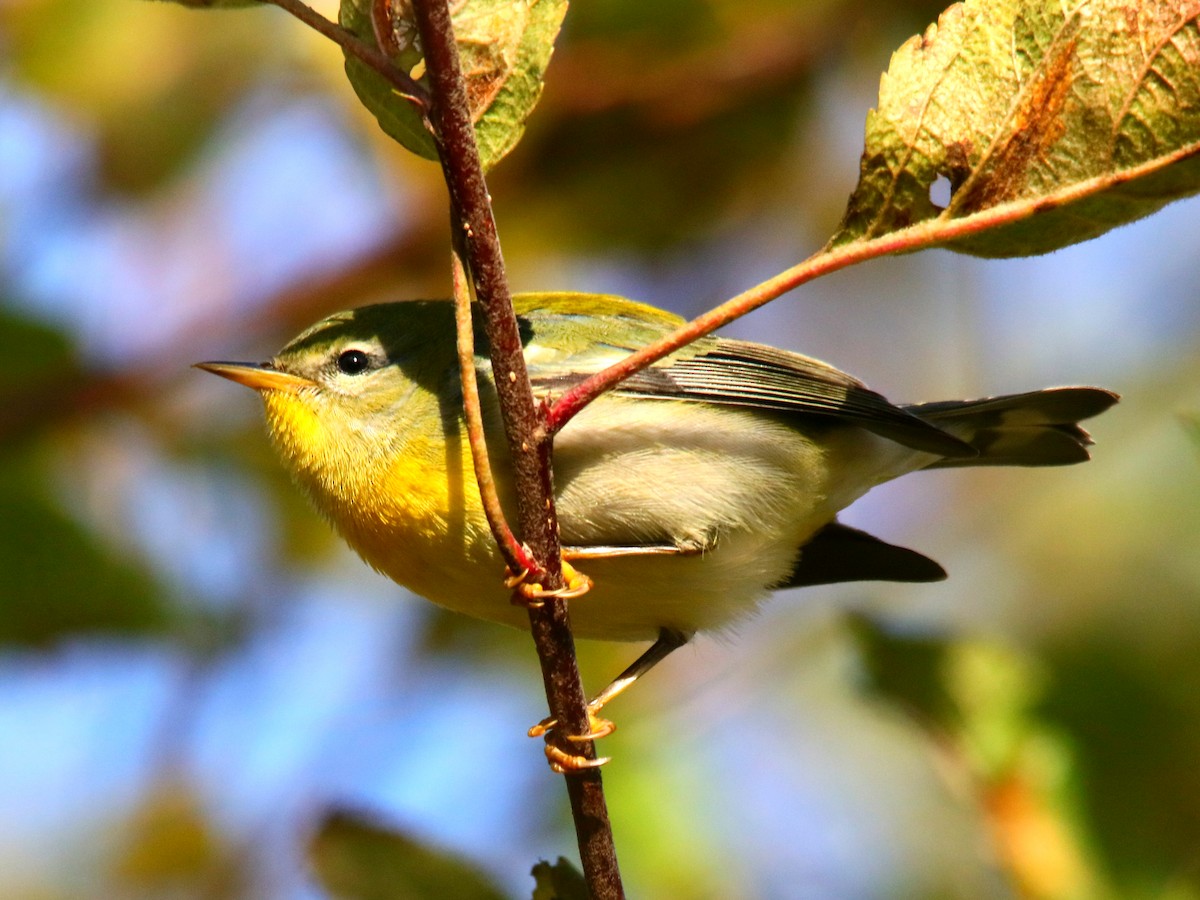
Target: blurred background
[{"x": 194, "y": 673}]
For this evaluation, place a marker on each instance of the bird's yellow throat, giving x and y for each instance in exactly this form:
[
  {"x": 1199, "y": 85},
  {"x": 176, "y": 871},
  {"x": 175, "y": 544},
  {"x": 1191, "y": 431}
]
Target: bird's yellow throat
[{"x": 407, "y": 505}]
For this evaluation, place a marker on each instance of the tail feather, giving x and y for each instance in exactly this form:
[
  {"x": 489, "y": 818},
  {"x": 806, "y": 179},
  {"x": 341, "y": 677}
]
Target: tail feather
[{"x": 1039, "y": 428}]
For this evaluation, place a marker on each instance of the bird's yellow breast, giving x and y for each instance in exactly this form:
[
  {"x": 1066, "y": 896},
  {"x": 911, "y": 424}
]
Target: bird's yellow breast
[{"x": 402, "y": 503}]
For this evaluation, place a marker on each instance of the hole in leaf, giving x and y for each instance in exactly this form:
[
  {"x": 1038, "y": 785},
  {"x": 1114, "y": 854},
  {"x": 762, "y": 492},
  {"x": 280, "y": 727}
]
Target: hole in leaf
[{"x": 940, "y": 191}]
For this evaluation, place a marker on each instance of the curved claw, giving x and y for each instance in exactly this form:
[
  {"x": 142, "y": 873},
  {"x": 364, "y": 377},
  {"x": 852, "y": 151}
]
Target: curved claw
[
  {"x": 512, "y": 580},
  {"x": 597, "y": 728},
  {"x": 575, "y": 584},
  {"x": 563, "y": 763},
  {"x": 600, "y": 728}
]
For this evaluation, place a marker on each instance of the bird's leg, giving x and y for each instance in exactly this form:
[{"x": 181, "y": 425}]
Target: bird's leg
[{"x": 669, "y": 640}]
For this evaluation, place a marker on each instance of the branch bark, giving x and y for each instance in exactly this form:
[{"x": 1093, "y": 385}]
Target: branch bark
[{"x": 530, "y": 442}]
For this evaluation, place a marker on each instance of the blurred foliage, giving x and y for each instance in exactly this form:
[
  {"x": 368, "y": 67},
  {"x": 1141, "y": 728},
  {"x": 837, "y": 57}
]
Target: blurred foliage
[
  {"x": 360, "y": 859},
  {"x": 30, "y": 353},
  {"x": 649, "y": 111},
  {"x": 977, "y": 702},
  {"x": 57, "y": 578},
  {"x": 149, "y": 94},
  {"x": 1135, "y": 730},
  {"x": 665, "y": 129},
  {"x": 169, "y": 847},
  {"x": 560, "y": 881},
  {"x": 1192, "y": 424}
]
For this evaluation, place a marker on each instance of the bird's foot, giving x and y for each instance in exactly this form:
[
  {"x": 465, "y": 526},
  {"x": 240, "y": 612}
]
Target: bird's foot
[
  {"x": 533, "y": 595},
  {"x": 597, "y": 727},
  {"x": 562, "y": 762}
]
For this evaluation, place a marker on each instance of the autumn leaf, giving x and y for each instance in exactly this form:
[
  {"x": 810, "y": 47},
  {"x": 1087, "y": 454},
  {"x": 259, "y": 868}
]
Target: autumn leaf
[{"x": 1086, "y": 114}]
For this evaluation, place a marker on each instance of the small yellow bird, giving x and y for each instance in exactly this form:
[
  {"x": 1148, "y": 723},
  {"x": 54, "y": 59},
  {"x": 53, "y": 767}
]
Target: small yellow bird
[{"x": 694, "y": 489}]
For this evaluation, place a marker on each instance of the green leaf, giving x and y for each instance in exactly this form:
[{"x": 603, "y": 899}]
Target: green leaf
[
  {"x": 355, "y": 857},
  {"x": 504, "y": 47},
  {"x": 561, "y": 881},
  {"x": 1088, "y": 111},
  {"x": 397, "y": 116}
]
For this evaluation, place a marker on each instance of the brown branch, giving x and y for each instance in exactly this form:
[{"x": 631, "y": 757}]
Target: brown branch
[
  {"x": 405, "y": 86},
  {"x": 523, "y": 421}
]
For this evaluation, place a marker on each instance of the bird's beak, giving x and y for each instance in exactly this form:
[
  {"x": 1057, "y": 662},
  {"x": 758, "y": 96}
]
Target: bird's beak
[{"x": 259, "y": 376}]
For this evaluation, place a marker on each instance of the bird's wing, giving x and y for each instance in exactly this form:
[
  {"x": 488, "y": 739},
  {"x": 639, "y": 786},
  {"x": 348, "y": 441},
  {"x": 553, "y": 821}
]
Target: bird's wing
[{"x": 745, "y": 374}]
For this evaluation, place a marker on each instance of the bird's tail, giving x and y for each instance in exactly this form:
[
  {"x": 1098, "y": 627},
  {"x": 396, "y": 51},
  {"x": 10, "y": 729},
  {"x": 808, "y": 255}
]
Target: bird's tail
[{"x": 1040, "y": 428}]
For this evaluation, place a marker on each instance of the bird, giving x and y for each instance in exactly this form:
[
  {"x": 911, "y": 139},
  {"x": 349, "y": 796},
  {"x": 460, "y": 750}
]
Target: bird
[{"x": 689, "y": 493}]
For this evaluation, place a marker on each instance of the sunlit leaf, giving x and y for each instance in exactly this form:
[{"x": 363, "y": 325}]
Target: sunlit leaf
[
  {"x": 504, "y": 48},
  {"x": 1090, "y": 108},
  {"x": 358, "y": 858}
]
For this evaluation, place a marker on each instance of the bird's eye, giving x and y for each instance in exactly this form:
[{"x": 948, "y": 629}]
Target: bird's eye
[{"x": 353, "y": 361}]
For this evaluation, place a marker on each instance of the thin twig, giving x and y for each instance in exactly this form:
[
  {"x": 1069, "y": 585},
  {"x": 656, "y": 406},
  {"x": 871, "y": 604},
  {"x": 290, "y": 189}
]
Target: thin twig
[
  {"x": 929, "y": 233},
  {"x": 523, "y": 421},
  {"x": 405, "y": 86},
  {"x": 514, "y": 554}
]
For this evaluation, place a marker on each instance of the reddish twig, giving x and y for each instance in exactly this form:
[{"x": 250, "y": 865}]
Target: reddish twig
[
  {"x": 515, "y": 555},
  {"x": 930, "y": 233}
]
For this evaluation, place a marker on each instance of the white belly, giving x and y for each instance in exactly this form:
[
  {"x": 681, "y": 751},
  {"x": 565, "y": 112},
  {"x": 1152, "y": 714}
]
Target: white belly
[{"x": 744, "y": 490}]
